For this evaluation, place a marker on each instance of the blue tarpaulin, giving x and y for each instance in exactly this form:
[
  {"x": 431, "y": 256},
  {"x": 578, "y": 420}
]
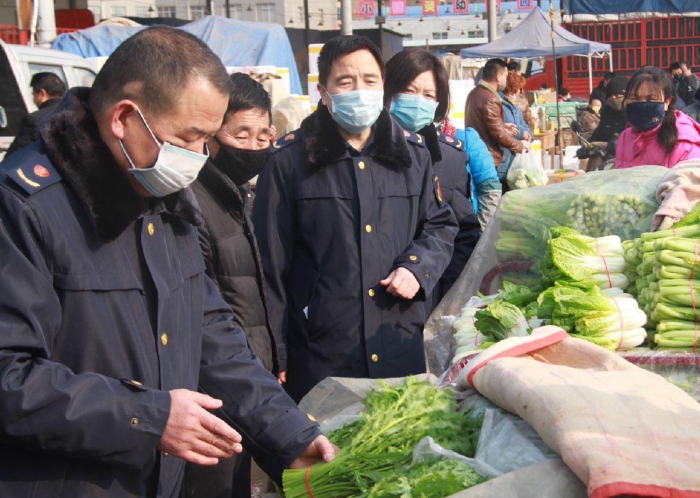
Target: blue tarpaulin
[
  {"x": 532, "y": 39},
  {"x": 237, "y": 43},
  {"x": 662, "y": 6}
]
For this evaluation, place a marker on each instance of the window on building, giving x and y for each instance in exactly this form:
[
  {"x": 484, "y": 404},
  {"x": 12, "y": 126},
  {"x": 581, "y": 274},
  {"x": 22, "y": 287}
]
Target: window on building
[
  {"x": 96, "y": 13},
  {"x": 142, "y": 11},
  {"x": 166, "y": 11},
  {"x": 236, "y": 11},
  {"x": 265, "y": 12},
  {"x": 197, "y": 12},
  {"x": 444, "y": 35},
  {"x": 118, "y": 11},
  {"x": 476, "y": 34}
]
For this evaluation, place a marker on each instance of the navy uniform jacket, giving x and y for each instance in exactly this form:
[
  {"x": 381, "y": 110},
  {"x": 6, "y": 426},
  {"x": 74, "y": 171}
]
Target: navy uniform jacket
[
  {"x": 450, "y": 165},
  {"x": 330, "y": 225},
  {"x": 105, "y": 307}
]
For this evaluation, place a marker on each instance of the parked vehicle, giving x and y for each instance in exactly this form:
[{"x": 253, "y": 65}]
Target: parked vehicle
[{"x": 18, "y": 63}]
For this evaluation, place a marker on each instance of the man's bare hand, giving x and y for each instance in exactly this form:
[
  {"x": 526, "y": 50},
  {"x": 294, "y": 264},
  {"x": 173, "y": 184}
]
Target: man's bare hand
[
  {"x": 321, "y": 450},
  {"x": 527, "y": 136},
  {"x": 526, "y": 145},
  {"x": 511, "y": 128},
  {"x": 194, "y": 434},
  {"x": 401, "y": 283},
  {"x": 282, "y": 377}
]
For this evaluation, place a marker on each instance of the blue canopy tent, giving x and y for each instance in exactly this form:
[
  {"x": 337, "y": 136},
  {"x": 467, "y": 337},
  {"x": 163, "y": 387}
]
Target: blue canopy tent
[
  {"x": 532, "y": 39},
  {"x": 237, "y": 43}
]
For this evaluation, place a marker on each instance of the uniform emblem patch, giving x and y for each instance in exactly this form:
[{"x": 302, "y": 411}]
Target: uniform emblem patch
[
  {"x": 290, "y": 136},
  {"x": 438, "y": 190},
  {"x": 449, "y": 139},
  {"x": 40, "y": 171},
  {"x": 26, "y": 180}
]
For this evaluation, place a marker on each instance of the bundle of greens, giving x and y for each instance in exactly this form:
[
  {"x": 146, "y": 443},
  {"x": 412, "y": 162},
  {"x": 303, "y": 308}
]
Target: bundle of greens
[
  {"x": 586, "y": 312},
  {"x": 500, "y": 320},
  {"x": 441, "y": 477},
  {"x": 379, "y": 445},
  {"x": 573, "y": 257},
  {"x": 467, "y": 336}
]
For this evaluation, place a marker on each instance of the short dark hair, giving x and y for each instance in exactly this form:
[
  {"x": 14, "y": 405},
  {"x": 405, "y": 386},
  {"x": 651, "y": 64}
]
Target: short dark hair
[
  {"x": 514, "y": 66},
  {"x": 49, "y": 82},
  {"x": 153, "y": 66},
  {"x": 608, "y": 76},
  {"x": 493, "y": 67},
  {"x": 339, "y": 46},
  {"x": 674, "y": 66},
  {"x": 658, "y": 80},
  {"x": 247, "y": 94},
  {"x": 686, "y": 64},
  {"x": 564, "y": 91},
  {"x": 405, "y": 67}
]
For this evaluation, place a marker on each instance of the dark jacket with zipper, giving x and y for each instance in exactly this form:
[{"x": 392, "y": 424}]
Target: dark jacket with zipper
[
  {"x": 450, "y": 166},
  {"x": 106, "y": 308},
  {"x": 331, "y": 223},
  {"x": 233, "y": 261}
]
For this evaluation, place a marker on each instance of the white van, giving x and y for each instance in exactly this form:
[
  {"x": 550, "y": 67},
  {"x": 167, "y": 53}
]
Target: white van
[{"x": 18, "y": 63}]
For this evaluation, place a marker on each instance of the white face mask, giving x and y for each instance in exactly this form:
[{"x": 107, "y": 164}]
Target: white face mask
[{"x": 175, "y": 167}]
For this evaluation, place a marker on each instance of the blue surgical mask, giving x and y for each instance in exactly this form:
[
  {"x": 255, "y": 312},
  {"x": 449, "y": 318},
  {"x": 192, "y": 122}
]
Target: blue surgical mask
[
  {"x": 413, "y": 112},
  {"x": 645, "y": 116},
  {"x": 358, "y": 110},
  {"x": 175, "y": 167}
]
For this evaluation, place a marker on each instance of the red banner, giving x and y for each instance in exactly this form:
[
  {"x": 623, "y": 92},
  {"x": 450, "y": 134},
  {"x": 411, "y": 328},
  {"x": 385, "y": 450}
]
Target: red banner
[
  {"x": 429, "y": 7},
  {"x": 526, "y": 4},
  {"x": 397, "y": 7},
  {"x": 460, "y": 6}
]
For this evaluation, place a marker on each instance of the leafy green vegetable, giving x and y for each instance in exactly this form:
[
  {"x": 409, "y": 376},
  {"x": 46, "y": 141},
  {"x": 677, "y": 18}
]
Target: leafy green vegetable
[
  {"x": 436, "y": 479},
  {"x": 500, "y": 320},
  {"x": 379, "y": 446},
  {"x": 518, "y": 295}
]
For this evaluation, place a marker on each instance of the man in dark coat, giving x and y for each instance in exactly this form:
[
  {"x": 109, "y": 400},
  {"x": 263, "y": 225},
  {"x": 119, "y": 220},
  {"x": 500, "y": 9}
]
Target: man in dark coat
[
  {"x": 238, "y": 151},
  {"x": 109, "y": 324},
  {"x": 47, "y": 90},
  {"x": 353, "y": 232},
  {"x": 613, "y": 118}
]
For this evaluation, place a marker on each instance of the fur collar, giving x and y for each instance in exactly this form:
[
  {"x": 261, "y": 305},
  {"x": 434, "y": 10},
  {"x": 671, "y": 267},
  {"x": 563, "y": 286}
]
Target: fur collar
[
  {"x": 74, "y": 146},
  {"x": 324, "y": 144},
  {"x": 432, "y": 142}
]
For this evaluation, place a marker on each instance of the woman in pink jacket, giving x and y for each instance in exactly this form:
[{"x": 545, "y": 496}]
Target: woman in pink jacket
[{"x": 655, "y": 133}]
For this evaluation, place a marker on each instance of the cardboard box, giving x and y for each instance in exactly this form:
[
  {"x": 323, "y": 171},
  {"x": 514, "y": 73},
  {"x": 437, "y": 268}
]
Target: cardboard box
[
  {"x": 561, "y": 175},
  {"x": 541, "y": 97}
]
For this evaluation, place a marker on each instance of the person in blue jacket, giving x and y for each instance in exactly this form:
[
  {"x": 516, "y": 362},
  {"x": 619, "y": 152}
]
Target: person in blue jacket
[
  {"x": 486, "y": 187},
  {"x": 417, "y": 93},
  {"x": 109, "y": 324},
  {"x": 513, "y": 116},
  {"x": 353, "y": 230}
]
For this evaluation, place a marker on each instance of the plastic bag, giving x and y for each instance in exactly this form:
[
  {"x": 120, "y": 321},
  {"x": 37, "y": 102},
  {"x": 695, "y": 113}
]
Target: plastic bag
[
  {"x": 508, "y": 443},
  {"x": 428, "y": 450},
  {"x": 615, "y": 202},
  {"x": 526, "y": 171}
]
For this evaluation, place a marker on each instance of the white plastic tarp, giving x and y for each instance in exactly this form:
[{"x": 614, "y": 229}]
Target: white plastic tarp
[{"x": 237, "y": 43}]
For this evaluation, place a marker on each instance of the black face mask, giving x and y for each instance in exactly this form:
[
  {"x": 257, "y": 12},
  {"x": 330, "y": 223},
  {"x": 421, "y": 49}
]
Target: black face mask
[
  {"x": 677, "y": 77},
  {"x": 240, "y": 165}
]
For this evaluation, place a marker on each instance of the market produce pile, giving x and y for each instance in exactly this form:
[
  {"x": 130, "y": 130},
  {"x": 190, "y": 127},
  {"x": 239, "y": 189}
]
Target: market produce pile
[
  {"x": 581, "y": 290},
  {"x": 664, "y": 267},
  {"x": 605, "y": 203},
  {"x": 606, "y": 289},
  {"x": 376, "y": 452}
]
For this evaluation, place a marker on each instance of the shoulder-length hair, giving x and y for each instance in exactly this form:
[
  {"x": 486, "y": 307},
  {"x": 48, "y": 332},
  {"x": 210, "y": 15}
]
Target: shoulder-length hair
[{"x": 405, "y": 67}]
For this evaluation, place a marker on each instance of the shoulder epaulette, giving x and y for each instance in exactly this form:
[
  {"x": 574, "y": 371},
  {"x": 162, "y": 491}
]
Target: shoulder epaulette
[
  {"x": 288, "y": 139},
  {"x": 31, "y": 176},
  {"x": 414, "y": 138},
  {"x": 446, "y": 139}
]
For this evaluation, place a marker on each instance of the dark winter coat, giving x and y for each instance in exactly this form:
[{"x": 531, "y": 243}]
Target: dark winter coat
[
  {"x": 612, "y": 122},
  {"x": 450, "y": 165},
  {"x": 106, "y": 308},
  {"x": 29, "y": 126},
  {"x": 233, "y": 261},
  {"x": 331, "y": 224}
]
